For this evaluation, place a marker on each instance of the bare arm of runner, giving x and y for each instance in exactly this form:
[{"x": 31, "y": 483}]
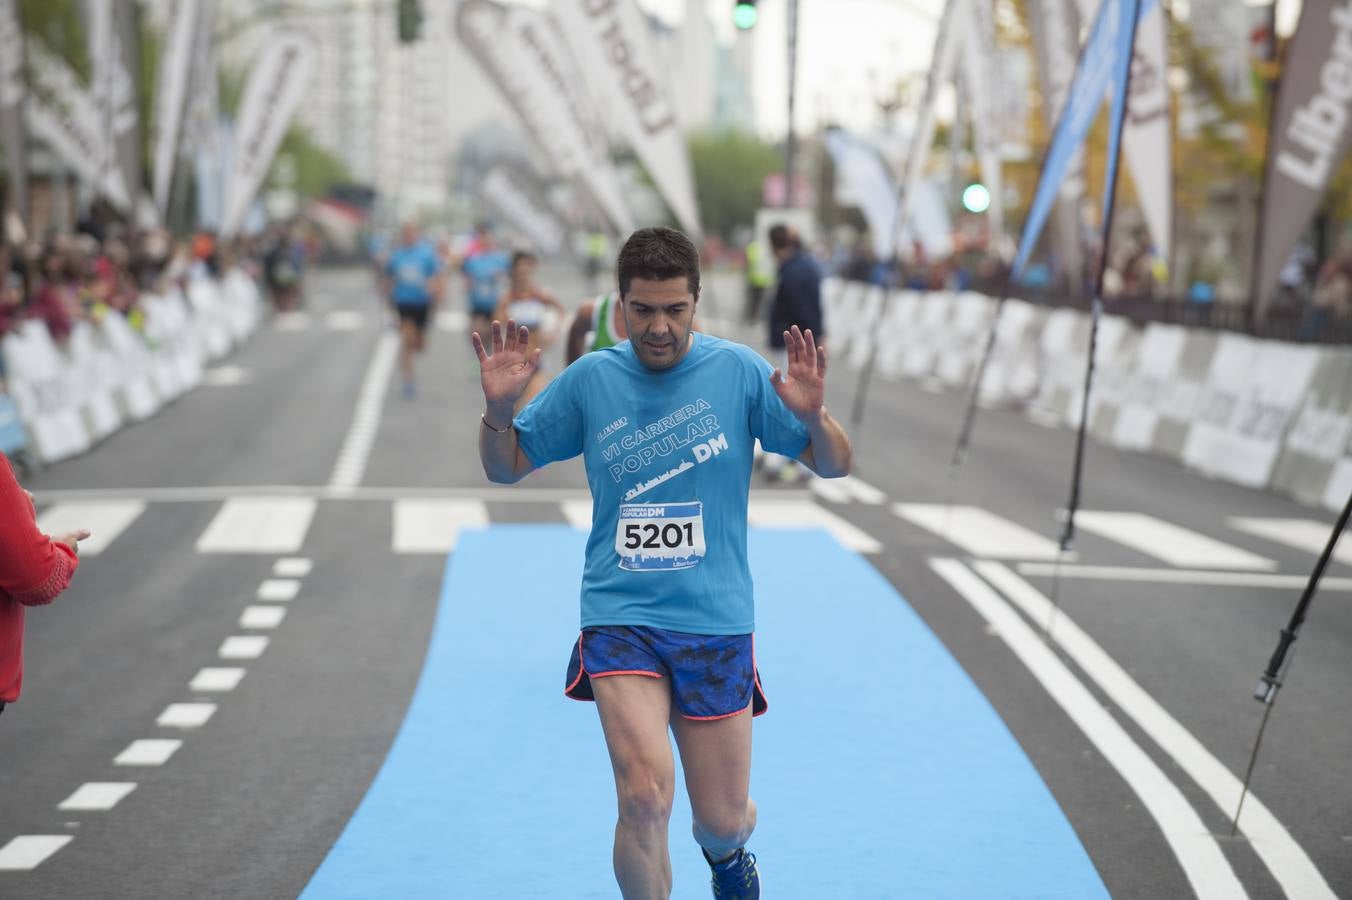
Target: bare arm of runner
[
  {"x": 504, "y": 375},
  {"x": 803, "y": 390},
  {"x": 577, "y": 333}
]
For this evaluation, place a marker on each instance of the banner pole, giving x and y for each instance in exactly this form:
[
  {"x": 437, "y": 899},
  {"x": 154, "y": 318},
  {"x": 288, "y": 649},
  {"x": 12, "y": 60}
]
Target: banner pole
[
  {"x": 1096, "y": 308},
  {"x": 1271, "y": 680}
]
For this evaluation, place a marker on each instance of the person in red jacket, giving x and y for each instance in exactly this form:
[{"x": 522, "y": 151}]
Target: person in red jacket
[{"x": 34, "y": 568}]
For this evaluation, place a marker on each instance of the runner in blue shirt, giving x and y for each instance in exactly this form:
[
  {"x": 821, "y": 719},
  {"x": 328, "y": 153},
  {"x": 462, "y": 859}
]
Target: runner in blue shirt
[
  {"x": 666, "y": 423},
  {"x": 485, "y": 268},
  {"x": 414, "y": 277}
]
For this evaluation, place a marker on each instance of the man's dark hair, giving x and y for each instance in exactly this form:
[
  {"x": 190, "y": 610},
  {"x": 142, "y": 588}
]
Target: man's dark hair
[
  {"x": 521, "y": 256},
  {"x": 781, "y": 238},
  {"x": 656, "y": 254}
]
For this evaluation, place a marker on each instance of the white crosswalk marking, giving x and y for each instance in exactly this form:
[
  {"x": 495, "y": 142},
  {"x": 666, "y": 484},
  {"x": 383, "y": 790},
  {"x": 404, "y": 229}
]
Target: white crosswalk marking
[
  {"x": 766, "y": 513},
  {"x": 578, "y": 513},
  {"x": 97, "y": 795},
  {"x": 280, "y": 590},
  {"x": 105, "y": 519},
  {"x": 258, "y": 525},
  {"x": 291, "y": 321},
  {"x": 292, "y": 567},
  {"x": 1303, "y": 534},
  {"x": 344, "y": 320},
  {"x": 434, "y": 526},
  {"x": 1172, "y": 543},
  {"x": 846, "y": 490},
  {"x": 979, "y": 532},
  {"x": 243, "y": 646},
  {"x": 28, "y": 851},
  {"x": 452, "y": 320}
]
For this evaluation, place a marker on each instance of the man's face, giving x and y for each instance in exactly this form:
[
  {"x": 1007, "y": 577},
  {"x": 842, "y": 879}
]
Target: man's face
[
  {"x": 409, "y": 235},
  {"x": 523, "y": 273},
  {"x": 658, "y": 315}
]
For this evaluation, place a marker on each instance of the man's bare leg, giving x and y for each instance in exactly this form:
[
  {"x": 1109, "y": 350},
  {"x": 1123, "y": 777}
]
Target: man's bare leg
[
  {"x": 716, "y": 757},
  {"x": 634, "y": 714}
]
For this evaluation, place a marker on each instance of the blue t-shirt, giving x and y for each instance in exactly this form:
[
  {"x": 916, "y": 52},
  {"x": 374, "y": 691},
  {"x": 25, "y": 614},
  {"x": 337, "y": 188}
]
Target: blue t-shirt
[
  {"x": 412, "y": 268},
  {"x": 668, "y": 457},
  {"x": 485, "y": 272}
]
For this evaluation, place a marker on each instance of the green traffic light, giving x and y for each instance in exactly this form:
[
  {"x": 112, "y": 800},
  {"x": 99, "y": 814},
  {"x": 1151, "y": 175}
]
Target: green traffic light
[
  {"x": 744, "y": 16},
  {"x": 976, "y": 198}
]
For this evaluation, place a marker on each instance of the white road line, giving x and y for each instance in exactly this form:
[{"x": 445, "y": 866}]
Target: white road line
[
  {"x": 1303, "y": 534},
  {"x": 829, "y": 489},
  {"x": 97, "y": 795},
  {"x": 1202, "y": 860},
  {"x": 361, "y": 434},
  {"x": 1289, "y": 865},
  {"x": 1172, "y": 543},
  {"x": 210, "y": 493},
  {"x": 292, "y": 567},
  {"x": 225, "y": 376},
  {"x": 433, "y": 526},
  {"x": 1182, "y": 576},
  {"x": 452, "y": 320},
  {"x": 28, "y": 851},
  {"x": 279, "y": 590},
  {"x": 262, "y": 616},
  {"x": 344, "y": 320},
  {"x": 148, "y": 752},
  {"x": 979, "y": 532},
  {"x": 246, "y": 646},
  {"x": 292, "y": 321},
  {"x": 847, "y": 489},
  {"x": 766, "y": 513},
  {"x": 578, "y": 513},
  {"x": 105, "y": 519},
  {"x": 258, "y": 525},
  {"x": 186, "y": 715},
  {"x": 216, "y": 680}
]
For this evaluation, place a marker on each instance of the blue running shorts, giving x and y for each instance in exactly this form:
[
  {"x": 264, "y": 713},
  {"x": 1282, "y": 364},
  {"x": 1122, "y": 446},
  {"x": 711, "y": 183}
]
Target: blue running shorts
[{"x": 713, "y": 676}]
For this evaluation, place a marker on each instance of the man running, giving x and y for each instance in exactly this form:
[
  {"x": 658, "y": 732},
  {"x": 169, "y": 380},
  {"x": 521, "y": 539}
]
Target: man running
[
  {"x": 665, "y": 423},
  {"x": 532, "y": 307},
  {"x": 485, "y": 270},
  {"x": 597, "y": 324},
  {"x": 414, "y": 272}
]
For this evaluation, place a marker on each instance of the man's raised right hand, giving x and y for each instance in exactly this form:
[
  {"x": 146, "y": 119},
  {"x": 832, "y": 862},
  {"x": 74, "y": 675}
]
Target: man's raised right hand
[{"x": 505, "y": 372}]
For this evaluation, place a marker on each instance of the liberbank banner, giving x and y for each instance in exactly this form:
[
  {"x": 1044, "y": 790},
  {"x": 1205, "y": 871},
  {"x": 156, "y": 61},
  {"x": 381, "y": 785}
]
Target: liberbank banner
[
  {"x": 520, "y": 52},
  {"x": 1309, "y": 135},
  {"x": 611, "y": 42}
]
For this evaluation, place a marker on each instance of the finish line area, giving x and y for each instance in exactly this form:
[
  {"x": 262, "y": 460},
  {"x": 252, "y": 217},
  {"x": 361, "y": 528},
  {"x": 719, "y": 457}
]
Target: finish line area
[{"x": 879, "y": 771}]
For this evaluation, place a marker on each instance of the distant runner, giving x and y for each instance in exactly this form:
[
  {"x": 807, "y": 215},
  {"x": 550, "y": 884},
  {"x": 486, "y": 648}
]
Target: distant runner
[
  {"x": 415, "y": 282},
  {"x": 665, "y": 423},
  {"x": 597, "y": 324},
  {"x": 530, "y": 305},
  {"x": 485, "y": 270}
]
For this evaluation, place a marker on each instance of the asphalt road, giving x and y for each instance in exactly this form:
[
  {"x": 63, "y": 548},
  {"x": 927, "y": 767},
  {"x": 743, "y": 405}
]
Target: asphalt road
[{"x": 254, "y": 796}]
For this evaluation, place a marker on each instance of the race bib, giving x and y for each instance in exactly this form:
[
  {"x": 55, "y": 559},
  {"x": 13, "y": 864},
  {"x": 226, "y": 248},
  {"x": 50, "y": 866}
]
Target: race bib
[{"x": 655, "y": 537}]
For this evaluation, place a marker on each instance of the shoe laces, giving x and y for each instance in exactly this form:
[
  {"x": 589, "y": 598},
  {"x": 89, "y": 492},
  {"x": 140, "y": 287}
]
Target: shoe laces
[{"x": 735, "y": 875}]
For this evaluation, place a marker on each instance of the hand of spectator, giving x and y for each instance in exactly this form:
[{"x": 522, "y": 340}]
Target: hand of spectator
[{"x": 72, "y": 539}]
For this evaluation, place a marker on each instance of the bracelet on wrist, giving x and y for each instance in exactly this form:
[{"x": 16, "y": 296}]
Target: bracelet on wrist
[{"x": 484, "y": 419}]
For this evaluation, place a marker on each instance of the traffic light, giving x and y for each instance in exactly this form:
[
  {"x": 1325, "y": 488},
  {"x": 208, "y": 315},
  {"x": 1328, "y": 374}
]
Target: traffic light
[
  {"x": 976, "y": 198},
  {"x": 410, "y": 20},
  {"x": 744, "y": 14}
]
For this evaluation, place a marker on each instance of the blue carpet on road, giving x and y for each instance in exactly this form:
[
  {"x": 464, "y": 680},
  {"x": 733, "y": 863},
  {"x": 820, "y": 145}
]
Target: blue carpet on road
[{"x": 880, "y": 771}]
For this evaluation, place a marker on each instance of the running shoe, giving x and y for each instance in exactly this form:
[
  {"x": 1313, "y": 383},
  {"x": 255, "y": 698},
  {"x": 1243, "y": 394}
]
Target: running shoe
[{"x": 736, "y": 878}]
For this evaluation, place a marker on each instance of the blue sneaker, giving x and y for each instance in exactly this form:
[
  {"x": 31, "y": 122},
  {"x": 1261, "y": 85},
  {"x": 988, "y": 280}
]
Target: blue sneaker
[{"x": 736, "y": 878}]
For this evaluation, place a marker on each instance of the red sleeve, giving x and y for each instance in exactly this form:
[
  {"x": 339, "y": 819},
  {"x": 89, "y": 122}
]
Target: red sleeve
[{"x": 33, "y": 567}]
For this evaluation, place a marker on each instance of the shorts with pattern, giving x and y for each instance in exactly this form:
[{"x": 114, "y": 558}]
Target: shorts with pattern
[{"x": 712, "y": 676}]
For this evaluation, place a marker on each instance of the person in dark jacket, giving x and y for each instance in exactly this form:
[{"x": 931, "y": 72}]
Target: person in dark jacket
[
  {"x": 798, "y": 290},
  {"x": 797, "y": 301}
]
